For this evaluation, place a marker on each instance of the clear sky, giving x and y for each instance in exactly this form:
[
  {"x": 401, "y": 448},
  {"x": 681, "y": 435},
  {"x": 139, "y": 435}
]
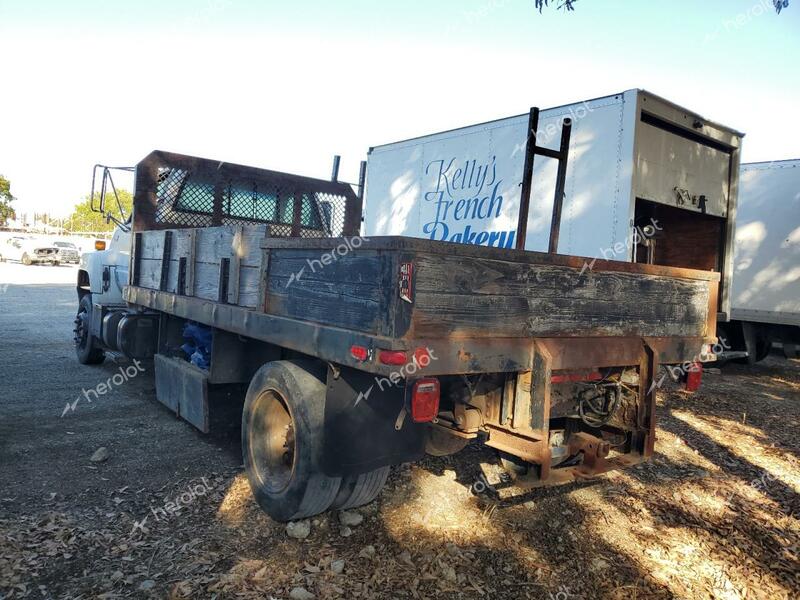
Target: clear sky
[{"x": 285, "y": 85}]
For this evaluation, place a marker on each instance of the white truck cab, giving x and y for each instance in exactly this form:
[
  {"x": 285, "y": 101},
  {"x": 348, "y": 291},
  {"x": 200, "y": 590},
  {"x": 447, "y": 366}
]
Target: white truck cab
[{"x": 105, "y": 272}]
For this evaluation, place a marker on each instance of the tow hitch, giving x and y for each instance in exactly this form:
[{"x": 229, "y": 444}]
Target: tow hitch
[{"x": 594, "y": 450}]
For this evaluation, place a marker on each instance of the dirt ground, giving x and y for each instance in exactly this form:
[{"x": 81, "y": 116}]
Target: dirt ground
[{"x": 715, "y": 515}]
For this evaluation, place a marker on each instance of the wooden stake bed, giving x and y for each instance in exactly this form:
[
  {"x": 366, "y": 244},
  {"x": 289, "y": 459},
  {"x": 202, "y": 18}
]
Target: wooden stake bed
[{"x": 488, "y": 303}]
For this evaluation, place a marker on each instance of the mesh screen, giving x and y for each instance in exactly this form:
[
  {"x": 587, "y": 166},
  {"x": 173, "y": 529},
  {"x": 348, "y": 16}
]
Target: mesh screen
[{"x": 187, "y": 199}]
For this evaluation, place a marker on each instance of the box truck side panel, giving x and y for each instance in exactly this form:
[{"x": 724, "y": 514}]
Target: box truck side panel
[
  {"x": 766, "y": 278},
  {"x": 464, "y": 185}
]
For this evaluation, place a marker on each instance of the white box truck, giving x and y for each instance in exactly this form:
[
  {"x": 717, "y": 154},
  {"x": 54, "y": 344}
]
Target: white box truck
[
  {"x": 766, "y": 275},
  {"x": 646, "y": 181}
]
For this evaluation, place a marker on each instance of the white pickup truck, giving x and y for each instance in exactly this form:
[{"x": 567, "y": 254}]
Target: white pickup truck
[{"x": 29, "y": 250}]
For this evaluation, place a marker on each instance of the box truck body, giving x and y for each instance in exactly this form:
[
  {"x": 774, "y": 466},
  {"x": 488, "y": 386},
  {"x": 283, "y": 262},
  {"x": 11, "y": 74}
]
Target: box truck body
[
  {"x": 634, "y": 159},
  {"x": 766, "y": 274}
]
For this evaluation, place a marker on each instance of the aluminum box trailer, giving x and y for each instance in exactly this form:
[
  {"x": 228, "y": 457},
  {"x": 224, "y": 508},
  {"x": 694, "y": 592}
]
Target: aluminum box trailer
[
  {"x": 634, "y": 159},
  {"x": 766, "y": 274},
  {"x": 362, "y": 353}
]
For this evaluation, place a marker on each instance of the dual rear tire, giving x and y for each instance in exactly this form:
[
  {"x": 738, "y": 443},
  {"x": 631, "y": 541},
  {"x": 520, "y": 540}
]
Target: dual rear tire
[{"x": 282, "y": 442}]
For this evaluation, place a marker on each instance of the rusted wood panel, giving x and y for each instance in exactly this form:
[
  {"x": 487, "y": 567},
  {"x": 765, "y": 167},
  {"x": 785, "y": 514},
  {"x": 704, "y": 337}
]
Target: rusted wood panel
[
  {"x": 483, "y": 297},
  {"x": 349, "y": 290},
  {"x": 462, "y": 294},
  {"x": 468, "y": 252}
]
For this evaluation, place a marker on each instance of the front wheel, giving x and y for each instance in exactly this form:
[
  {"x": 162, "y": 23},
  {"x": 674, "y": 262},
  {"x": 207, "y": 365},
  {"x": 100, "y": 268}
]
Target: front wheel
[
  {"x": 26, "y": 260},
  {"x": 85, "y": 344},
  {"x": 282, "y": 427}
]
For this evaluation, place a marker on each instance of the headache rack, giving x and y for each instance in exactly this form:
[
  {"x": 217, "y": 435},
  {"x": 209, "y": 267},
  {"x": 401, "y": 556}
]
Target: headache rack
[{"x": 175, "y": 191}]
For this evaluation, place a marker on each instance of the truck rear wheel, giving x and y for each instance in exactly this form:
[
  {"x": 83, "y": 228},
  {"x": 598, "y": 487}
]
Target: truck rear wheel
[
  {"x": 358, "y": 490},
  {"x": 85, "y": 344},
  {"x": 282, "y": 426}
]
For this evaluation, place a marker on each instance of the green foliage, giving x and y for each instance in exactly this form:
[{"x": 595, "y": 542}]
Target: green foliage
[
  {"x": 83, "y": 218},
  {"x": 568, "y": 4},
  {"x": 6, "y": 210},
  {"x": 565, "y": 4}
]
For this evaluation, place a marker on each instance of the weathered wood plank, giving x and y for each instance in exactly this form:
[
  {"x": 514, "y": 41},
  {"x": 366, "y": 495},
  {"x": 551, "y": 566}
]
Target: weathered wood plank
[
  {"x": 500, "y": 316},
  {"x": 150, "y": 273},
  {"x": 485, "y": 298},
  {"x": 152, "y": 244},
  {"x": 215, "y": 243},
  {"x": 451, "y": 275},
  {"x": 235, "y": 267},
  {"x": 361, "y": 267},
  {"x": 282, "y": 285},
  {"x": 165, "y": 260},
  {"x": 263, "y": 281},
  {"x": 189, "y": 252},
  {"x": 453, "y": 295},
  {"x": 334, "y": 309},
  {"x": 207, "y": 282}
]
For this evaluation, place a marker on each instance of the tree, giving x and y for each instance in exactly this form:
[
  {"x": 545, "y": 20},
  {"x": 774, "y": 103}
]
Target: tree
[
  {"x": 83, "y": 218},
  {"x": 6, "y": 210},
  {"x": 566, "y": 4},
  {"x": 569, "y": 4}
]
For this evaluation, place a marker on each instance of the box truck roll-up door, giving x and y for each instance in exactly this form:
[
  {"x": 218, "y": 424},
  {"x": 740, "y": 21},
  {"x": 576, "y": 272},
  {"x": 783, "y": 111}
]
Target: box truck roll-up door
[{"x": 682, "y": 168}]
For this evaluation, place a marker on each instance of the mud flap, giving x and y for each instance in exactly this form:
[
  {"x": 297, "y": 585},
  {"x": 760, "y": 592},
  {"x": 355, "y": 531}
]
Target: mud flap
[{"x": 365, "y": 424}]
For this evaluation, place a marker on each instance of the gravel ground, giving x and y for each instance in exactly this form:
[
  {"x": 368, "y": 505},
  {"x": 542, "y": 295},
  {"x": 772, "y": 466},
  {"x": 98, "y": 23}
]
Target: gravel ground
[{"x": 715, "y": 515}]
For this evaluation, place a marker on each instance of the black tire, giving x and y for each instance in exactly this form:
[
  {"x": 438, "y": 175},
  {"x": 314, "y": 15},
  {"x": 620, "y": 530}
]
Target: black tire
[
  {"x": 86, "y": 346},
  {"x": 358, "y": 490},
  {"x": 282, "y": 425},
  {"x": 26, "y": 260}
]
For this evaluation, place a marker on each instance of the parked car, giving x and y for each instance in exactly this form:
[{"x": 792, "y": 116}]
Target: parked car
[
  {"x": 29, "y": 250},
  {"x": 68, "y": 252}
]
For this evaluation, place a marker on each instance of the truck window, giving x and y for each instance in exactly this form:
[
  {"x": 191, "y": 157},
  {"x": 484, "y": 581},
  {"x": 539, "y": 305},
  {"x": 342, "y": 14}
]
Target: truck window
[
  {"x": 192, "y": 195},
  {"x": 309, "y": 214}
]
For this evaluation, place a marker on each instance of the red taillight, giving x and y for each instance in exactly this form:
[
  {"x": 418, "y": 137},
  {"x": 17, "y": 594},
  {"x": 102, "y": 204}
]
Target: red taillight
[
  {"x": 694, "y": 376},
  {"x": 425, "y": 400},
  {"x": 359, "y": 353},
  {"x": 422, "y": 357},
  {"x": 392, "y": 357}
]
